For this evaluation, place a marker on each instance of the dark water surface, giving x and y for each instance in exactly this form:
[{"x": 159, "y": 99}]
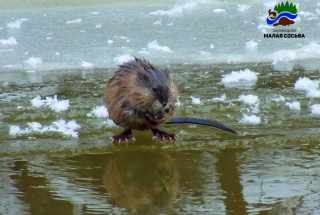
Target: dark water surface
[{"x": 272, "y": 167}]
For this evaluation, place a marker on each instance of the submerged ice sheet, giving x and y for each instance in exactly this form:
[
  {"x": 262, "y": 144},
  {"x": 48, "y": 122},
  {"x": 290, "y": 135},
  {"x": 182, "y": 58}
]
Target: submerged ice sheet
[{"x": 60, "y": 126}]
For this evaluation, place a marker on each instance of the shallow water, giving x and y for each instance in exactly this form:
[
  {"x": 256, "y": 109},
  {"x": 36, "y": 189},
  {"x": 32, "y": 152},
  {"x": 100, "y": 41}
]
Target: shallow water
[{"x": 55, "y": 152}]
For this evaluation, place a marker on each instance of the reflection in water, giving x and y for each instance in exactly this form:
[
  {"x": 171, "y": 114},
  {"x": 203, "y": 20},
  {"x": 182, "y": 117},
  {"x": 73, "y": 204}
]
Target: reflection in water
[
  {"x": 142, "y": 182},
  {"x": 229, "y": 178}
]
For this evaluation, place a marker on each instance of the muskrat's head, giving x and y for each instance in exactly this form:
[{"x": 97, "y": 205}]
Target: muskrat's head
[{"x": 157, "y": 82}]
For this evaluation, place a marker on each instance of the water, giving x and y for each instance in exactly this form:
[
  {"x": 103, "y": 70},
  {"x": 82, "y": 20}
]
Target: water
[{"x": 55, "y": 153}]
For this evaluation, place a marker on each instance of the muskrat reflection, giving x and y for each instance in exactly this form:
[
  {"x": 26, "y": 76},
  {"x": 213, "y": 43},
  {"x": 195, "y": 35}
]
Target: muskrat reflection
[{"x": 142, "y": 182}]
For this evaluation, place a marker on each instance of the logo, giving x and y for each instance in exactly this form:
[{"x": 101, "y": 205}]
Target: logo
[{"x": 283, "y": 14}]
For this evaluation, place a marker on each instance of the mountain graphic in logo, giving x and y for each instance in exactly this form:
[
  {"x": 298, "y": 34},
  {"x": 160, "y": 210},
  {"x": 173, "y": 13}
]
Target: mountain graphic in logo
[{"x": 283, "y": 14}]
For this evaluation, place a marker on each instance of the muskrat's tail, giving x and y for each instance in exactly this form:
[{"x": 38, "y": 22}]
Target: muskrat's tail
[{"x": 200, "y": 122}]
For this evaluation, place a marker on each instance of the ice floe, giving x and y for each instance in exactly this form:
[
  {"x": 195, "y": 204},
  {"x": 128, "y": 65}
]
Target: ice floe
[
  {"x": 99, "y": 112},
  {"x": 293, "y": 105},
  {"x": 10, "y": 41},
  {"x": 311, "y": 87},
  {"x": 315, "y": 109},
  {"x": 52, "y": 102},
  {"x": 243, "y": 76},
  {"x": 60, "y": 126},
  {"x": 195, "y": 101},
  {"x": 154, "y": 45},
  {"x": 250, "y": 119},
  {"x": 249, "y": 99}
]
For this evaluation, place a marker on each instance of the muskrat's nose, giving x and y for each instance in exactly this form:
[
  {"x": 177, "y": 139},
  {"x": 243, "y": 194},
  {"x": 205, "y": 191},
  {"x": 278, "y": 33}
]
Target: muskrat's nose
[{"x": 164, "y": 103}]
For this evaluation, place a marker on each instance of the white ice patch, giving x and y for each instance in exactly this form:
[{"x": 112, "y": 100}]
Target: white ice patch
[
  {"x": 34, "y": 61},
  {"x": 110, "y": 42},
  {"x": 293, "y": 105},
  {"x": 52, "y": 102},
  {"x": 240, "y": 76},
  {"x": 251, "y": 46},
  {"x": 280, "y": 98},
  {"x": 315, "y": 109},
  {"x": 218, "y": 10},
  {"x": 243, "y": 7},
  {"x": 16, "y": 24},
  {"x": 61, "y": 126},
  {"x": 177, "y": 11},
  {"x": 253, "y": 119},
  {"x": 222, "y": 98},
  {"x": 99, "y": 111},
  {"x": 249, "y": 99},
  {"x": 120, "y": 59},
  {"x": 310, "y": 86},
  {"x": 154, "y": 45},
  {"x": 284, "y": 56},
  {"x": 86, "y": 65},
  {"x": 76, "y": 21},
  {"x": 195, "y": 101},
  {"x": 9, "y": 41}
]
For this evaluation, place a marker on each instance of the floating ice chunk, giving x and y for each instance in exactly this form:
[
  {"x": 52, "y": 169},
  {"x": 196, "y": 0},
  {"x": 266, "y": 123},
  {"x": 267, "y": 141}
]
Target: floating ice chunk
[
  {"x": 69, "y": 129},
  {"x": 9, "y": 41},
  {"x": 57, "y": 105},
  {"x": 154, "y": 45},
  {"x": 195, "y": 101},
  {"x": 283, "y": 56},
  {"x": 222, "y": 98},
  {"x": 158, "y": 22},
  {"x": 86, "y": 65},
  {"x": 243, "y": 8},
  {"x": 98, "y": 26},
  {"x": 34, "y": 61},
  {"x": 251, "y": 46},
  {"x": 37, "y": 102},
  {"x": 219, "y": 10},
  {"x": 304, "y": 83},
  {"x": 99, "y": 111},
  {"x": 293, "y": 105},
  {"x": 249, "y": 99},
  {"x": 177, "y": 11},
  {"x": 110, "y": 42},
  {"x": 178, "y": 103},
  {"x": 280, "y": 98},
  {"x": 313, "y": 93},
  {"x": 315, "y": 109},
  {"x": 16, "y": 24},
  {"x": 52, "y": 102},
  {"x": 120, "y": 59},
  {"x": 212, "y": 46},
  {"x": 253, "y": 119},
  {"x": 240, "y": 76},
  {"x": 76, "y": 21}
]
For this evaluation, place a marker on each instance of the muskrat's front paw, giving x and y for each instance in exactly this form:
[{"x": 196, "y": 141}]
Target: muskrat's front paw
[{"x": 158, "y": 134}]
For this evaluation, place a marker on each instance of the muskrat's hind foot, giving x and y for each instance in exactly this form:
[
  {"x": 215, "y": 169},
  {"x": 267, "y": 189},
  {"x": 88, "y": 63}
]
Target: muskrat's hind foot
[
  {"x": 163, "y": 135},
  {"x": 124, "y": 136}
]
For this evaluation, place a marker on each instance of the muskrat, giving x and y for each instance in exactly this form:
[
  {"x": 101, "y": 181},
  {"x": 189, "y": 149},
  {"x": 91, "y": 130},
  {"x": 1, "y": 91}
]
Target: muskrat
[{"x": 140, "y": 96}]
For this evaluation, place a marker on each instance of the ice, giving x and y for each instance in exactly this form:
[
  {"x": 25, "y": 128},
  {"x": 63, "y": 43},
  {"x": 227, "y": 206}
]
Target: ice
[
  {"x": 177, "y": 11},
  {"x": 219, "y": 10},
  {"x": 195, "y": 101},
  {"x": 249, "y": 99},
  {"x": 158, "y": 22},
  {"x": 243, "y": 8},
  {"x": 283, "y": 56},
  {"x": 10, "y": 41},
  {"x": 212, "y": 46},
  {"x": 280, "y": 98},
  {"x": 310, "y": 86},
  {"x": 240, "y": 76},
  {"x": 61, "y": 126},
  {"x": 16, "y": 24},
  {"x": 293, "y": 105},
  {"x": 251, "y": 46},
  {"x": 52, "y": 102},
  {"x": 315, "y": 109},
  {"x": 99, "y": 112},
  {"x": 34, "y": 61},
  {"x": 76, "y": 21},
  {"x": 253, "y": 119},
  {"x": 120, "y": 59},
  {"x": 110, "y": 42},
  {"x": 154, "y": 45},
  {"x": 222, "y": 98},
  {"x": 86, "y": 65},
  {"x": 37, "y": 102}
]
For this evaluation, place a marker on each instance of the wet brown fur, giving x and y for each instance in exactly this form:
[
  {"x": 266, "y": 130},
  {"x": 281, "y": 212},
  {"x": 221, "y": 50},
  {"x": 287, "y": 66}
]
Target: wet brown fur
[{"x": 127, "y": 100}]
